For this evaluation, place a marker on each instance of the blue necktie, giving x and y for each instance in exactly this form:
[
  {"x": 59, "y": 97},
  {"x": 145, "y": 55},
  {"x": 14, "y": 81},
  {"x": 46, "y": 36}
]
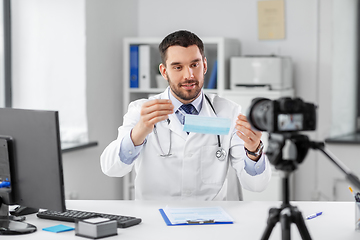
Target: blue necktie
[{"x": 188, "y": 109}]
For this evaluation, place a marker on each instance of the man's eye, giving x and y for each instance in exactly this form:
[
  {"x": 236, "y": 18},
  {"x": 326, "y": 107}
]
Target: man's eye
[
  {"x": 195, "y": 65},
  {"x": 177, "y": 68}
]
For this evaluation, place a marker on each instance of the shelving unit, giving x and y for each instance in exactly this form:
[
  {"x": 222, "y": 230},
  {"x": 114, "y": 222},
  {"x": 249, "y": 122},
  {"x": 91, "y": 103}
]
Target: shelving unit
[{"x": 220, "y": 49}]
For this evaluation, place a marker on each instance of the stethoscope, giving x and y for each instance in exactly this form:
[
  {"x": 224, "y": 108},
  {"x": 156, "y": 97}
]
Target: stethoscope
[{"x": 220, "y": 153}]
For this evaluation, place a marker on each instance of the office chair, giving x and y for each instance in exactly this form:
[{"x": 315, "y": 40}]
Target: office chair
[{"x": 234, "y": 189}]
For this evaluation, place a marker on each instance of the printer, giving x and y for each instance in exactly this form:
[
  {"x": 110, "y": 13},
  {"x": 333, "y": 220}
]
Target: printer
[{"x": 272, "y": 72}]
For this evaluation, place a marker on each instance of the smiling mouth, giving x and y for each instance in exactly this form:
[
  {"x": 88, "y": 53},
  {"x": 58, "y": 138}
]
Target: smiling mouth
[{"x": 188, "y": 86}]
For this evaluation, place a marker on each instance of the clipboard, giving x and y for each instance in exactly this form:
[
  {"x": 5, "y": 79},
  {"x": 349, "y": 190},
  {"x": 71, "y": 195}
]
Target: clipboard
[{"x": 195, "y": 216}]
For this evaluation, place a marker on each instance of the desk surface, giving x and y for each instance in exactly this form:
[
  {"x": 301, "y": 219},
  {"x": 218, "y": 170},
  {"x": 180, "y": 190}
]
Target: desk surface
[{"x": 337, "y": 221}]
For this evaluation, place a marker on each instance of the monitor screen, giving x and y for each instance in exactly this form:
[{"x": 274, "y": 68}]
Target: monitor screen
[{"x": 36, "y": 163}]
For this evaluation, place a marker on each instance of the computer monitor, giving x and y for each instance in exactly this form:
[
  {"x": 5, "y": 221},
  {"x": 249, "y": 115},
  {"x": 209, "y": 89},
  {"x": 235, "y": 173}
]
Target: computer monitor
[{"x": 32, "y": 140}]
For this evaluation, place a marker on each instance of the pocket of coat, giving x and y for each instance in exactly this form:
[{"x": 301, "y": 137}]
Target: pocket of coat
[{"x": 213, "y": 171}]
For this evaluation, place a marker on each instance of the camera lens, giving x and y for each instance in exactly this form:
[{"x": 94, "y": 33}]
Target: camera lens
[{"x": 258, "y": 114}]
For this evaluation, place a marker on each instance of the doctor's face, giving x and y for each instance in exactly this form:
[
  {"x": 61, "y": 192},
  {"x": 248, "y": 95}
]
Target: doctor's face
[{"x": 185, "y": 69}]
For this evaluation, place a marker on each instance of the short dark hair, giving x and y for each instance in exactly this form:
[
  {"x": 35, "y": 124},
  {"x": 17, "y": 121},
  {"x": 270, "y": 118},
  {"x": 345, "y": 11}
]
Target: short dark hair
[{"x": 181, "y": 38}]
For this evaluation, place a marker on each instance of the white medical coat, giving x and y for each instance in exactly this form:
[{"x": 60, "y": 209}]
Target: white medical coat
[{"x": 192, "y": 172}]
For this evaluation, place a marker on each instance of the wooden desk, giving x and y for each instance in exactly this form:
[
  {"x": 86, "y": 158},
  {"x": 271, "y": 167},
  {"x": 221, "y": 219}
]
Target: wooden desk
[{"x": 337, "y": 221}]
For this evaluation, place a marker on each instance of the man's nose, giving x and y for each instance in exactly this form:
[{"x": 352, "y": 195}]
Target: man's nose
[{"x": 189, "y": 73}]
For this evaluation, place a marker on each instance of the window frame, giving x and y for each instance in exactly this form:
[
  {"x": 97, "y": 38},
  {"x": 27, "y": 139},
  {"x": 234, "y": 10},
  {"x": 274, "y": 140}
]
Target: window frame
[{"x": 7, "y": 52}]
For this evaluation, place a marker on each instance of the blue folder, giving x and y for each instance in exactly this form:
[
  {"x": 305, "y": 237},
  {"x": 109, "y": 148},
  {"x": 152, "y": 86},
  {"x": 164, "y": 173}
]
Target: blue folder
[
  {"x": 204, "y": 222},
  {"x": 213, "y": 77},
  {"x": 134, "y": 66}
]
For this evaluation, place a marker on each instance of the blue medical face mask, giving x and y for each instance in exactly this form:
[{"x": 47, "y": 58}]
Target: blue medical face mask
[{"x": 207, "y": 125}]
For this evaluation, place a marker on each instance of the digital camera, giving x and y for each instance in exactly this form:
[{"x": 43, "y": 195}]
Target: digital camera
[{"x": 282, "y": 115}]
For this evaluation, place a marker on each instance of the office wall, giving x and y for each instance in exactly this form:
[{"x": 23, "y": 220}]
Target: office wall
[
  {"x": 337, "y": 65},
  {"x": 345, "y": 27},
  {"x": 238, "y": 19},
  {"x": 107, "y": 23}
]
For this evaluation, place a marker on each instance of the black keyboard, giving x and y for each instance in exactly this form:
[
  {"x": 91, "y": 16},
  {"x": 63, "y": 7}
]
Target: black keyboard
[{"x": 71, "y": 215}]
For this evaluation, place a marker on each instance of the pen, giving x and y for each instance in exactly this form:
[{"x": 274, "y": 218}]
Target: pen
[
  {"x": 356, "y": 196},
  {"x": 351, "y": 190},
  {"x": 313, "y": 215}
]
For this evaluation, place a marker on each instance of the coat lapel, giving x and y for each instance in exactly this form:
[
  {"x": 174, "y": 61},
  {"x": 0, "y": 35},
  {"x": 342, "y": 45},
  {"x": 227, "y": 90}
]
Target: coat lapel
[
  {"x": 206, "y": 109},
  {"x": 174, "y": 125}
]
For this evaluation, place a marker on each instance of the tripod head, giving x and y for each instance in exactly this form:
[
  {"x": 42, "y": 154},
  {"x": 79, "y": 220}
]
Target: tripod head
[
  {"x": 302, "y": 144},
  {"x": 283, "y": 119},
  {"x": 275, "y": 150}
]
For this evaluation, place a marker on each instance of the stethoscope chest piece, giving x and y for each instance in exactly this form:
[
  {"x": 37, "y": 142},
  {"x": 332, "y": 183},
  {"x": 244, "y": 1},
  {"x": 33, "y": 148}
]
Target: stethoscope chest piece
[{"x": 221, "y": 154}]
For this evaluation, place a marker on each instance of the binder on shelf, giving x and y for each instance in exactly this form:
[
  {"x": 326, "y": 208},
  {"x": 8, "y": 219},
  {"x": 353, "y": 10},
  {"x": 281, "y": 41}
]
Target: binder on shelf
[
  {"x": 146, "y": 71},
  {"x": 134, "y": 66},
  {"x": 213, "y": 77}
]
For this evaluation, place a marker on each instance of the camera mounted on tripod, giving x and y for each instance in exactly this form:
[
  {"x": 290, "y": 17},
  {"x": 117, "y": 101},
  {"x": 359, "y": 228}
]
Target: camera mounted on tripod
[{"x": 283, "y": 118}]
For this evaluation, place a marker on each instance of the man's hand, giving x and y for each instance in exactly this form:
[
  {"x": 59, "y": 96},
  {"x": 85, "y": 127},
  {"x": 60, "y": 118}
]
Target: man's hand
[
  {"x": 152, "y": 112},
  {"x": 251, "y": 137}
]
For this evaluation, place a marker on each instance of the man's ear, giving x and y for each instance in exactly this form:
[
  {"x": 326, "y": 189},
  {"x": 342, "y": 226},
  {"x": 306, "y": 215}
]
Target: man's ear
[
  {"x": 162, "y": 70},
  {"x": 205, "y": 65}
]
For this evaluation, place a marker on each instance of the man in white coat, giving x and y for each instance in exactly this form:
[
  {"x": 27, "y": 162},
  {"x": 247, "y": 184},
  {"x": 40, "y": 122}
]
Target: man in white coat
[{"x": 170, "y": 163}]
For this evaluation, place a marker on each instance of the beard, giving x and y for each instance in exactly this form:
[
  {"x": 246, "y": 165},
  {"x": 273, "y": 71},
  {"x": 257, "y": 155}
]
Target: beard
[{"x": 183, "y": 94}]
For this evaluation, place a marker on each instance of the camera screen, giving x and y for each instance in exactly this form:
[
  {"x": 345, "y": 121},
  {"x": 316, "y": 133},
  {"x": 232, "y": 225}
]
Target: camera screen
[{"x": 290, "y": 122}]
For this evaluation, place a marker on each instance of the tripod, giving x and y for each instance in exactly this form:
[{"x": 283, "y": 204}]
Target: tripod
[{"x": 287, "y": 213}]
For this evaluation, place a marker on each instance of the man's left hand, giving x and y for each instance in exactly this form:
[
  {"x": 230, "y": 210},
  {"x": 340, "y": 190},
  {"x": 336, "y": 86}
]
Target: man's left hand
[{"x": 250, "y": 137}]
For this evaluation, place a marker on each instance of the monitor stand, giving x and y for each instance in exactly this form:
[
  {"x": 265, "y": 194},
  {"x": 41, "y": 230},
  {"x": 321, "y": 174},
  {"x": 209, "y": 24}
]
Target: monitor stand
[{"x": 9, "y": 226}]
